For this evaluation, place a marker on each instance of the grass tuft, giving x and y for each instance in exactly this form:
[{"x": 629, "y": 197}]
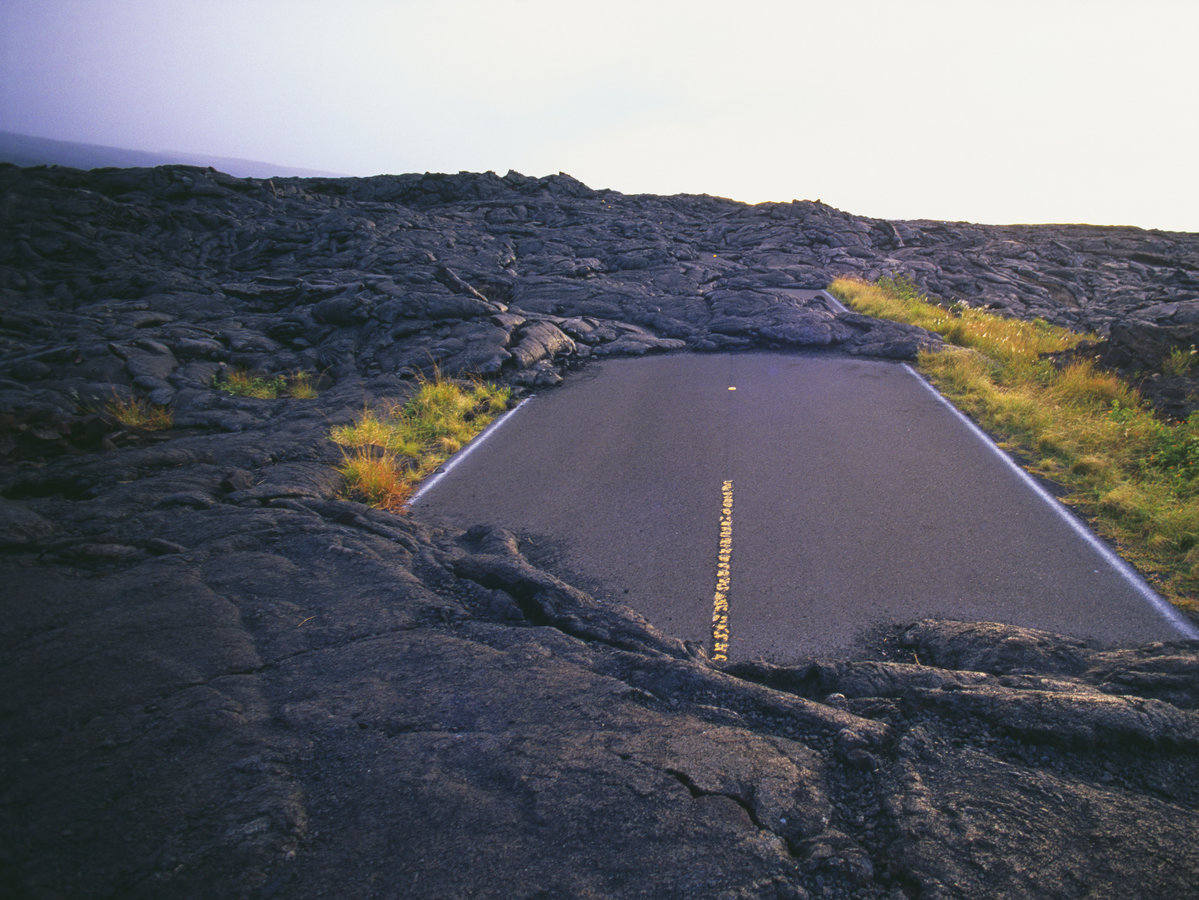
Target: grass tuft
[
  {"x": 385, "y": 455},
  {"x": 1134, "y": 475},
  {"x": 302, "y": 386},
  {"x": 139, "y": 414},
  {"x": 378, "y": 479},
  {"x": 244, "y": 383},
  {"x": 1179, "y": 362}
]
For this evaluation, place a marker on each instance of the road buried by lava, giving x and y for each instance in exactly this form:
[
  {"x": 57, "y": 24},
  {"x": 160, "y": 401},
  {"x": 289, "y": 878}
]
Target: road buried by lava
[
  {"x": 775, "y": 505},
  {"x": 226, "y": 678}
]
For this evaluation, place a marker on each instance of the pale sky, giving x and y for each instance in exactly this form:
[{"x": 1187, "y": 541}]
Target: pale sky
[{"x": 997, "y": 112}]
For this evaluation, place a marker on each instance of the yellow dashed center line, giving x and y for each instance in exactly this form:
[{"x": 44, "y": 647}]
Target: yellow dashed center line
[{"x": 724, "y": 558}]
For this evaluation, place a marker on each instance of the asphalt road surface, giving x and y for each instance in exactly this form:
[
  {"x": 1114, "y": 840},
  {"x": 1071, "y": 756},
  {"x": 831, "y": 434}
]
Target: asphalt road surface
[{"x": 775, "y": 505}]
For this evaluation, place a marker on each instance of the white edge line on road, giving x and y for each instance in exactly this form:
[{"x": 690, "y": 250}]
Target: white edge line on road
[
  {"x": 1163, "y": 606},
  {"x": 837, "y": 305},
  {"x": 466, "y": 451}
]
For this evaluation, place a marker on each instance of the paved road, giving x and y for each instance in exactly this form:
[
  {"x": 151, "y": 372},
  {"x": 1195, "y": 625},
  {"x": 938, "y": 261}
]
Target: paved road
[{"x": 814, "y": 495}]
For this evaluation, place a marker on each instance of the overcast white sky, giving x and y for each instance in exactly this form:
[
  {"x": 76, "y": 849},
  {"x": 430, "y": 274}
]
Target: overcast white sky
[{"x": 1013, "y": 111}]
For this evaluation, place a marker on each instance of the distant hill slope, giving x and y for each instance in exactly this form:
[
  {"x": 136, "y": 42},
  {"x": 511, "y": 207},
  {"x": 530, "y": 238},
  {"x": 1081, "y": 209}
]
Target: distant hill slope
[{"x": 25, "y": 150}]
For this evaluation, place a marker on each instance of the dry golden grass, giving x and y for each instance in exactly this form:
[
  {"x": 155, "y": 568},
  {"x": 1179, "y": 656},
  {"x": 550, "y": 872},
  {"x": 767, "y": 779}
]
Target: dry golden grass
[
  {"x": 377, "y": 479},
  {"x": 138, "y": 414},
  {"x": 386, "y": 455},
  {"x": 1135, "y": 476}
]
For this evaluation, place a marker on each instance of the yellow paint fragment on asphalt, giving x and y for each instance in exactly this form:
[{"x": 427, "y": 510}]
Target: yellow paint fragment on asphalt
[{"x": 724, "y": 574}]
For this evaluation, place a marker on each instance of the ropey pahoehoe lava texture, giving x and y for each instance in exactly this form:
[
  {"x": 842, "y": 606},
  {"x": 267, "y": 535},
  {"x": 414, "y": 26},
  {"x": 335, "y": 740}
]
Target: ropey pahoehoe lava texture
[{"x": 225, "y": 680}]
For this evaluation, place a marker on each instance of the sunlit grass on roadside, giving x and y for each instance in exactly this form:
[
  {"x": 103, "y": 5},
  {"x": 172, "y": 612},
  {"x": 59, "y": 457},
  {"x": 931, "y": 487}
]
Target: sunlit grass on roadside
[
  {"x": 386, "y": 454},
  {"x": 1135, "y": 476}
]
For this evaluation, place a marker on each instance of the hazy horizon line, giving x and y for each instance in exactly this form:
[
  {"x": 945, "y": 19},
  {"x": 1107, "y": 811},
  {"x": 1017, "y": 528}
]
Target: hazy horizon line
[{"x": 24, "y": 150}]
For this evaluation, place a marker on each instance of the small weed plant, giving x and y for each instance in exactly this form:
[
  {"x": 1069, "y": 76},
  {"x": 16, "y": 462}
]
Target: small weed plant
[
  {"x": 302, "y": 386},
  {"x": 1134, "y": 475},
  {"x": 1179, "y": 361},
  {"x": 138, "y": 414},
  {"x": 243, "y": 383},
  {"x": 385, "y": 455}
]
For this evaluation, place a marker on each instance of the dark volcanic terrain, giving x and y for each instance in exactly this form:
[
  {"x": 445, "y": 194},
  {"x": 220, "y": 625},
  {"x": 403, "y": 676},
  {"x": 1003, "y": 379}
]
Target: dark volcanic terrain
[{"x": 223, "y": 679}]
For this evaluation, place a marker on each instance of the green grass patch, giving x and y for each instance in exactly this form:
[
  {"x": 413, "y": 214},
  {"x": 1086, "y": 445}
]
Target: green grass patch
[
  {"x": 244, "y": 383},
  {"x": 386, "y": 454},
  {"x": 1179, "y": 361},
  {"x": 1134, "y": 475}
]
